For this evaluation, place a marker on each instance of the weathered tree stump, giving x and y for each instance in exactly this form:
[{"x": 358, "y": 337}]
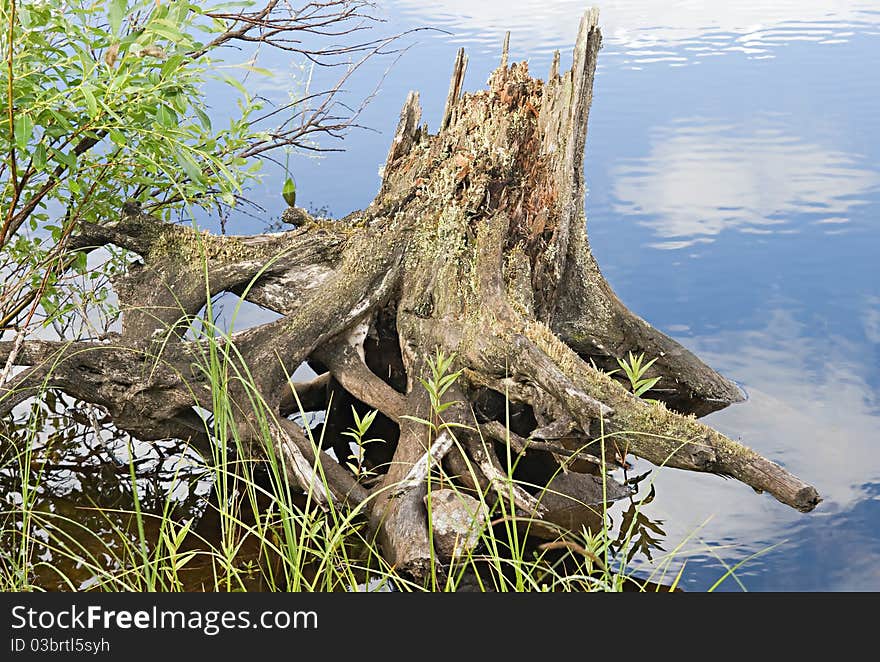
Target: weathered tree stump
[{"x": 476, "y": 245}]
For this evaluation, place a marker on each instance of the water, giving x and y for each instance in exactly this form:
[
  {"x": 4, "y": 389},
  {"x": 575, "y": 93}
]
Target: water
[
  {"x": 734, "y": 196},
  {"x": 734, "y": 202}
]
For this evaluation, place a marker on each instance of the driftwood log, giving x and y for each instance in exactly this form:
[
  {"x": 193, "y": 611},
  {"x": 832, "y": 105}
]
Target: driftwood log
[{"x": 475, "y": 245}]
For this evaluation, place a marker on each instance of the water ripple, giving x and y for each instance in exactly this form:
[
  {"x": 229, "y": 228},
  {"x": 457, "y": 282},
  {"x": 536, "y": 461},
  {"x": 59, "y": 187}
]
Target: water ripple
[{"x": 639, "y": 32}]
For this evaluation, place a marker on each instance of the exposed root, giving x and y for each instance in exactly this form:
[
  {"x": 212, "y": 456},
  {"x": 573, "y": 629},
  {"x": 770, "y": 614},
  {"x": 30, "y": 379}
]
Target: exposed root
[
  {"x": 349, "y": 369},
  {"x": 321, "y": 469},
  {"x": 501, "y": 481},
  {"x": 299, "y": 468},
  {"x": 497, "y": 431},
  {"x": 418, "y": 474}
]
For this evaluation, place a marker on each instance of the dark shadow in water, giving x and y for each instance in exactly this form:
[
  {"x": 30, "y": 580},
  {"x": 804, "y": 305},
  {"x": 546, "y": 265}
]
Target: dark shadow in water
[
  {"x": 80, "y": 475},
  {"x": 638, "y": 533}
]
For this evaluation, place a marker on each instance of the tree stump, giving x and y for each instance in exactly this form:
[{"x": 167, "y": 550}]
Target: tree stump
[{"x": 475, "y": 246}]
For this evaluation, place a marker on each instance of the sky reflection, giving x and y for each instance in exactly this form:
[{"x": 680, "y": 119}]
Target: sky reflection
[
  {"x": 700, "y": 178},
  {"x": 812, "y": 409},
  {"x": 646, "y": 32}
]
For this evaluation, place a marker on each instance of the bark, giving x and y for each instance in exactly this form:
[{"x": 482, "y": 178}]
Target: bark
[{"x": 476, "y": 247}]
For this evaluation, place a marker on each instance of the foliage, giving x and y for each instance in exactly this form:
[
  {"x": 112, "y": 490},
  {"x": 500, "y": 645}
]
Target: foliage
[
  {"x": 634, "y": 368},
  {"x": 355, "y": 461},
  {"x": 439, "y": 380},
  {"x": 288, "y": 191},
  {"x": 104, "y": 103}
]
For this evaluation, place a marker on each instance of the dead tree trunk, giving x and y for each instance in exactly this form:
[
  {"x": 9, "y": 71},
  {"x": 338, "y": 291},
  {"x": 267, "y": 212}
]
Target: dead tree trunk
[{"x": 475, "y": 245}]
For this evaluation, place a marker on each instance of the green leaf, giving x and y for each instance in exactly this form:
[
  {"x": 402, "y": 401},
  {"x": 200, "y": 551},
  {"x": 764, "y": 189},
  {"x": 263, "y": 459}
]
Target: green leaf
[
  {"x": 24, "y": 17},
  {"x": 80, "y": 263},
  {"x": 224, "y": 6},
  {"x": 418, "y": 420},
  {"x": 115, "y": 14},
  {"x": 181, "y": 534},
  {"x": 67, "y": 159},
  {"x": 61, "y": 123},
  {"x": 180, "y": 103},
  {"x": 49, "y": 307},
  {"x": 24, "y": 129},
  {"x": 189, "y": 165},
  {"x": 85, "y": 58},
  {"x": 649, "y": 363},
  {"x": 645, "y": 385},
  {"x": 203, "y": 118},
  {"x": 235, "y": 83},
  {"x": 170, "y": 66},
  {"x": 38, "y": 16},
  {"x": 91, "y": 102},
  {"x": 166, "y": 31},
  {"x": 452, "y": 424},
  {"x": 166, "y": 117},
  {"x": 257, "y": 70},
  {"x": 40, "y": 158},
  {"x": 289, "y": 191}
]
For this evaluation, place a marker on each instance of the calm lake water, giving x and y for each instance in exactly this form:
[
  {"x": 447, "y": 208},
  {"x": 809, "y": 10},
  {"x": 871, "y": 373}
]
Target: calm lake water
[{"x": 734, "y": 202}]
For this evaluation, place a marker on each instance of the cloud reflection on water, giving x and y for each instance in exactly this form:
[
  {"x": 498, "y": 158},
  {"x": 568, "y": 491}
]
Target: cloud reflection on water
[
  {"x": 701, "y": 178},
  {"x": 815, "y": 390}
]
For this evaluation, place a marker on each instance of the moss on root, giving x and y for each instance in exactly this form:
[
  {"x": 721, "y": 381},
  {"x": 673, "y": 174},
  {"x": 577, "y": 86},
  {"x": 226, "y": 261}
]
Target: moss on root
[{"x": 656, "y": 431}]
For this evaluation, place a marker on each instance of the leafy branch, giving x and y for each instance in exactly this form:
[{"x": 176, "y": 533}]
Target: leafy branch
[{"x": 104, "y": 104}]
